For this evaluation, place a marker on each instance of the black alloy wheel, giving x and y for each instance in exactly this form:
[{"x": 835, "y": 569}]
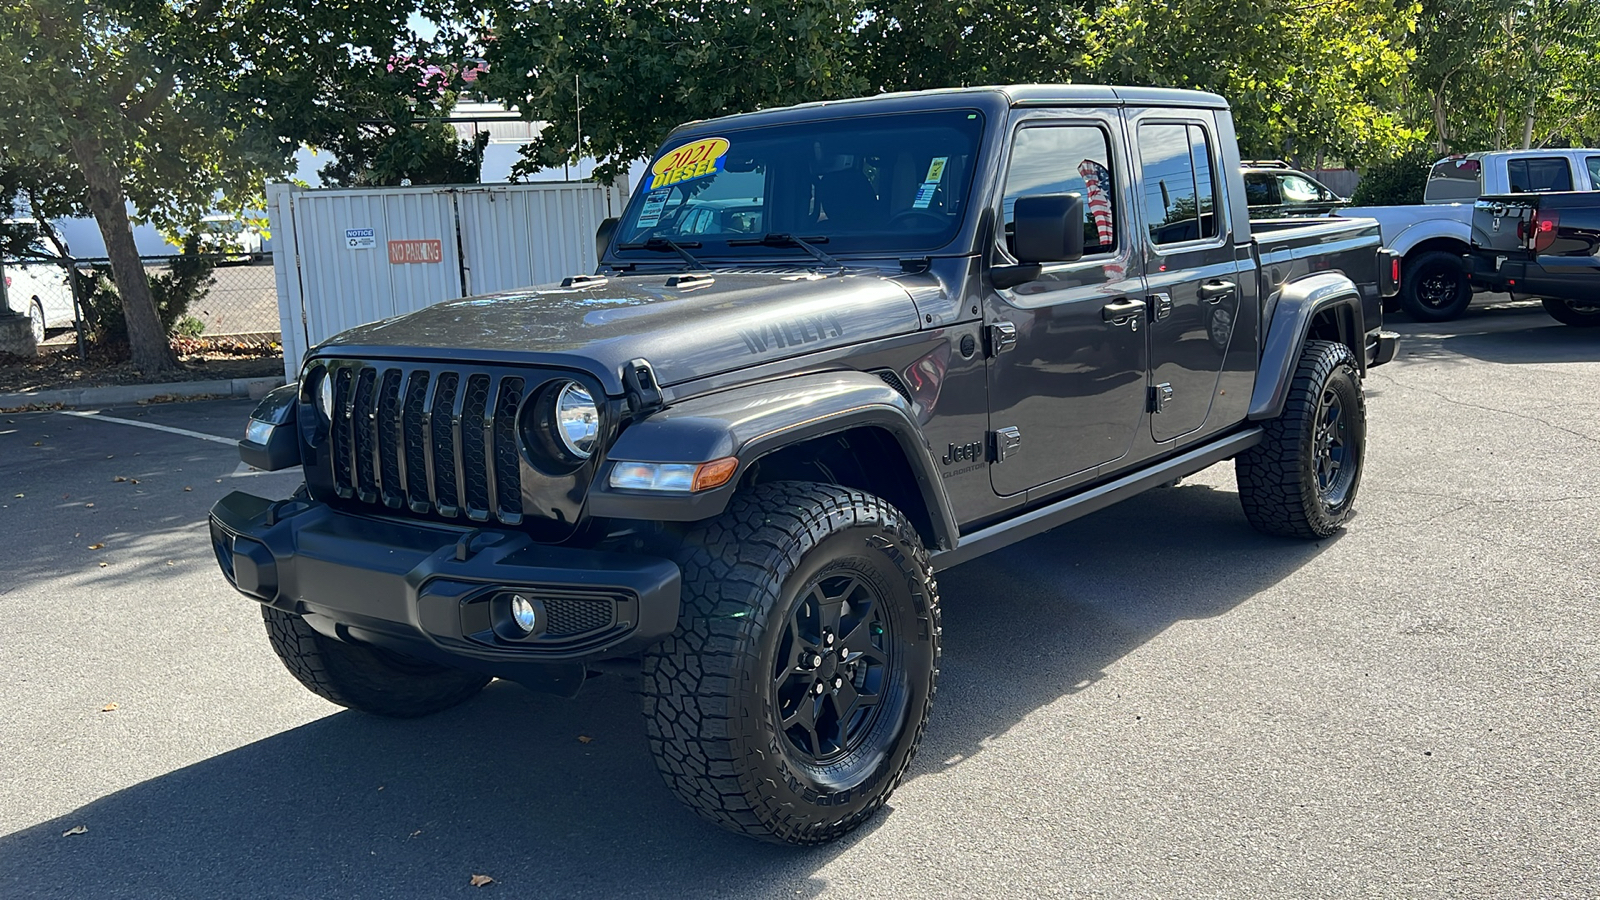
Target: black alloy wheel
[
  {"x": 1577, "y": 313},
  {"x": 1434, "y": 286},
  {"x": 1332, "y": 448},
  {"x": 834, "y": 665}
]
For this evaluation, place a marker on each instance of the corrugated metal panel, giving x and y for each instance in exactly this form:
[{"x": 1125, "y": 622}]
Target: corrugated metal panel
[
  {"x": 489, "y": 239},
  {"x": 520, "y": 235}
]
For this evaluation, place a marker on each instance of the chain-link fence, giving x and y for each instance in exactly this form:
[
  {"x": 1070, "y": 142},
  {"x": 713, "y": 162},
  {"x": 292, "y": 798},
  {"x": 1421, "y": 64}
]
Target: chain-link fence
[{"x": 238, "y": 297}]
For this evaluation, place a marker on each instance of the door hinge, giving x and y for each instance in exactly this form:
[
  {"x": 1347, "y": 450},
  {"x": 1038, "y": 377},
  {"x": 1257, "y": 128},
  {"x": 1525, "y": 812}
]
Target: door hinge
[
  {"x": 1160, "y": 396},
  {"x": 1000, "y": 337},
  {"x": 1005, "y": 442},
  {"x": 1160, "y": 306}
]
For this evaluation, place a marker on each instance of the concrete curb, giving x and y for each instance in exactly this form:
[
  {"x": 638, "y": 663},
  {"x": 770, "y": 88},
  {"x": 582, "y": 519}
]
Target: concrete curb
[{"x": 113, "y": 395}]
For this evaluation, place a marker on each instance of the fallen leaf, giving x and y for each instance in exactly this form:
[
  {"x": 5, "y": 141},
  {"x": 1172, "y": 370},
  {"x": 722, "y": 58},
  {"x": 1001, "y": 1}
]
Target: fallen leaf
[
  {"x": 109, "y": 707},
  {"x": 119, "y": 478},
  {"x": 584, "y": 739},
  {"x": 36, "y": 443},
  {"x": 171, "y": 563},
  {"x": 417, "y": 832},
  {"x": 86, "y": 505},
  {"x": 187, "y": 488},
  {"x": 19, "y": 496},
  {"x": 477, "y": 880},
  {"x": 76, "y": 829},
  {"x": 133, "y": 481},
  {"x": 103, "y": 565},
  {"x": 96, "y": 546}
]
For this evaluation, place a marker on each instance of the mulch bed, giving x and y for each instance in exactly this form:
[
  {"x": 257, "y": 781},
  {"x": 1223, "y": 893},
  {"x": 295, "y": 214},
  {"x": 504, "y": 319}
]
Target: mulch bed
[{"x": 203, "y": 359}]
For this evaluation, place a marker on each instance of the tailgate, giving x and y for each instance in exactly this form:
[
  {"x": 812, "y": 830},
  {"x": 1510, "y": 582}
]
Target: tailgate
[{"x": 1500, "y": 223}]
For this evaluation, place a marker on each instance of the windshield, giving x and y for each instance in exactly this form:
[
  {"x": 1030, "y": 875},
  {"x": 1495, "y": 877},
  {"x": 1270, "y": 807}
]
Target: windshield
[{"x": 866, "y": 184}]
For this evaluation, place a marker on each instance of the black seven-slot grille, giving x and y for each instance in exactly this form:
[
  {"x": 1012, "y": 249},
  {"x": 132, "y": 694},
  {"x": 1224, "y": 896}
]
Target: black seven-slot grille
[{"x": 427, "y": 438}]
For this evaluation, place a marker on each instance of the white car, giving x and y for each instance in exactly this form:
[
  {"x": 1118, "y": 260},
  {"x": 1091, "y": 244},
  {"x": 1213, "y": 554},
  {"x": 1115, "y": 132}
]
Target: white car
[
  {"x": 229, "y": 235},
  {"x": 1434, "y": 239},
  {"x": 38, "y": 288}
]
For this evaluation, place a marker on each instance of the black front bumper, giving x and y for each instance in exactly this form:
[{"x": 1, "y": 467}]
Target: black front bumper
[{"x": 440, "y": 593}]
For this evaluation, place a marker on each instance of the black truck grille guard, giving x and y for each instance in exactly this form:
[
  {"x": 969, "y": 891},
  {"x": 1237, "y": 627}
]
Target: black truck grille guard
[{"x": 432, "y": 439}]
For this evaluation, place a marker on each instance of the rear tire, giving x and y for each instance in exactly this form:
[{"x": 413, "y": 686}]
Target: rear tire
[
  {"x": 1577, "y": 313},
  {"x": 365, "y": 678},
  {"x": 1301, "y": 480},
  {"x": 1435, "y": 287},
  {"x": 36, "y": 320},
  {"x": 791, "y": 699}
]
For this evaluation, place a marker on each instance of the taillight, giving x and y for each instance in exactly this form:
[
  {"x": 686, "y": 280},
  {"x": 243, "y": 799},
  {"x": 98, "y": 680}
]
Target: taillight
[
  {"x": 1542, "y": 230},
  {"x": 1394, "y": 270}
]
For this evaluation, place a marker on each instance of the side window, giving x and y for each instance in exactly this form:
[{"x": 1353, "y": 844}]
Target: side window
[
  {"x": 1300, "y": 190},
  {"x": 1065, "y": 159},
  {"x": 1179, "y": 184},
  {"x": 1546, "y": 173},
  {"x": 1594, "y": 173},
  {"x": 1258, "y": 189}
]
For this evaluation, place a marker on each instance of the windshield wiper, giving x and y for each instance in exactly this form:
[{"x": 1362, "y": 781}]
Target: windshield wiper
[
  {"x": 784, "y": 239},
  {"x": 667, "y": 245}
]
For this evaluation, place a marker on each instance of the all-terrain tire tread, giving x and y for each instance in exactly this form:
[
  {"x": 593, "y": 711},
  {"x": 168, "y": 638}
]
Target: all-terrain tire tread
[
  {"x": 360, "y": 677},
  {"x": 1276, "y": 496},
  {"x": 733, "y": 569}
]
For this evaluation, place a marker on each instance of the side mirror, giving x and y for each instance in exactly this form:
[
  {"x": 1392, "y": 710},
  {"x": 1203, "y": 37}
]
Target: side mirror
[
  {"x": 1049, "y": 228},
  {"x": 602, "y": 237}
]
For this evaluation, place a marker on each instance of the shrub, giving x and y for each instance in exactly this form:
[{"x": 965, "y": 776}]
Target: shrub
[
  {"x": 186, "y": 281},
  {"x": 1397, "y": 181}
]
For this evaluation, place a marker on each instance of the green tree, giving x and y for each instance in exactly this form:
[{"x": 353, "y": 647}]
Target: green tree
[{"x": 172, "y": 105}]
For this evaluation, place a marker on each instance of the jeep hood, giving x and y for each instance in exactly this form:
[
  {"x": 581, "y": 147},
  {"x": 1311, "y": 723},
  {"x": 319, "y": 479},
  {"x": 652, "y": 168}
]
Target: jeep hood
[{"x": 736, "y": 321}]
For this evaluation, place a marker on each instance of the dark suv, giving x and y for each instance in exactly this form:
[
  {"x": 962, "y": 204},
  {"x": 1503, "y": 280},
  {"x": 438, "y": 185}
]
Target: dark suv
[{"x": 740, "y": 458}]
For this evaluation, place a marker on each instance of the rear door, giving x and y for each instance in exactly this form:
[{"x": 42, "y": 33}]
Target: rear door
[{"x": 1191, "y": 275}]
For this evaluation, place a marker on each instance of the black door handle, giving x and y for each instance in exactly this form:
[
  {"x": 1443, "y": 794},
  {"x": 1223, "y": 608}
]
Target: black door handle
[
  {"x": 1214, "y": 291},
  {"x": 1121, "y": 309}
]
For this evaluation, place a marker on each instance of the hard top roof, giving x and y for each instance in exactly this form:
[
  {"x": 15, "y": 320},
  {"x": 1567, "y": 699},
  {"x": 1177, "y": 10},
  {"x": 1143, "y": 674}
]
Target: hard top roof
[{"x": 1009, "y": 95}]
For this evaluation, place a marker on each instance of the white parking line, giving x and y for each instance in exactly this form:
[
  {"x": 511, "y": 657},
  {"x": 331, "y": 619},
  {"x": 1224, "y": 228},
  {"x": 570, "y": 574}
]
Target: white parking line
[{"x": 150, "y": 425}]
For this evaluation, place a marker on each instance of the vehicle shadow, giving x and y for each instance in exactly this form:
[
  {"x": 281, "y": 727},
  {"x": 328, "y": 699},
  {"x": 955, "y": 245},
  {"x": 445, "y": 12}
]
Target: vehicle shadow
[{"x": 560, "y": 798}]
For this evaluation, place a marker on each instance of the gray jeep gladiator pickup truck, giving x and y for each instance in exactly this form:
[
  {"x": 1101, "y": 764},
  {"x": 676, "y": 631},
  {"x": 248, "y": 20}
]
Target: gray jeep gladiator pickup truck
[{"x": 829, "y": 351}]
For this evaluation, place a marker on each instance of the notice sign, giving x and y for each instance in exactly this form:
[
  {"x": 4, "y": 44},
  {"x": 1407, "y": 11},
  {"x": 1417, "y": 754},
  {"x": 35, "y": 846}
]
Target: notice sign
[
  {"x": 359, "y": 239},
  {"x": 401, "y": 252}
]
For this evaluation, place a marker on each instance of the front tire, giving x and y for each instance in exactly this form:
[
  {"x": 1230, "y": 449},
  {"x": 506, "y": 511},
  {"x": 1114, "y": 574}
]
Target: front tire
[
  {"x": 790, "y": 700},
  {"x": 365, "y": 678},
  {"x": 1577, "y": 313},
  {"x": 1435, "y": 287},
  {"x": 1301, "y": 480}
]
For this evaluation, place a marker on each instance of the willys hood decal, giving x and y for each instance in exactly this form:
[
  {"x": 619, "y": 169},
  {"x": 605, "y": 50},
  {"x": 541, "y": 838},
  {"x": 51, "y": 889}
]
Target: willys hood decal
[{"x": 690, "y": 331}]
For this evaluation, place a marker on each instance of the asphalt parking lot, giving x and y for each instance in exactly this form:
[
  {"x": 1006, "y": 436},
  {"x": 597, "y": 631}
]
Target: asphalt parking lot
[{"x": 1153, "y": 701}]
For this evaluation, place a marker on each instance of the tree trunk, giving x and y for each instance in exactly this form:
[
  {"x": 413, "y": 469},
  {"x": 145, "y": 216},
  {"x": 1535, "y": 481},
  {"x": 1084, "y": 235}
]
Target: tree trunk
[{"x": 147, "y": 340}]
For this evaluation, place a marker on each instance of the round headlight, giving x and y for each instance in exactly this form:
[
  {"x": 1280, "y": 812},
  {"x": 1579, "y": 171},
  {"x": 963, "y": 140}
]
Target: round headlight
[{"x": 577, "y": 420}]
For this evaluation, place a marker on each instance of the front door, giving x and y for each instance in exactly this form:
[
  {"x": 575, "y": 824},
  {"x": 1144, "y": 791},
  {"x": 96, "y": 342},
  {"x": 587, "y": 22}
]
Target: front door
[
  {"x": 1067, "y": 363},
  {"x": 1191, "y": 276}
]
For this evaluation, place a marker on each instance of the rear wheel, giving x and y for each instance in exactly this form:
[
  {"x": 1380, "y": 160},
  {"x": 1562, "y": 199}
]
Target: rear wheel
[
  {"x": 792, "y": 697},
  {"x": 1435, "y": 287},
  {"x": 1577, "y": 313},
  {"x": 365, "y": 678},
  {"x": 36, "y": 320},
  {"x": 1301, "y": 480}
]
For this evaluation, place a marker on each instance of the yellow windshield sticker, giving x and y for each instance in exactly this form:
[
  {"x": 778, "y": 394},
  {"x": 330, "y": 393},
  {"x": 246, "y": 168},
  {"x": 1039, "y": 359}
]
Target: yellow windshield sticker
[{"x": 695, "y": 159}]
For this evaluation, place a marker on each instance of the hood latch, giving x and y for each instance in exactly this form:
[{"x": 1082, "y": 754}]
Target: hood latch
[{"x": 644, "y": 392}]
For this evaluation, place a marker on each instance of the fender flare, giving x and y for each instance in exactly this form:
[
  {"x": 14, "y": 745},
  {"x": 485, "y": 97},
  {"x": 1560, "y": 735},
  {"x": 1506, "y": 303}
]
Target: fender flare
[
  {"x": 755, "y": 420},
  {"x": 1297, "y": 307},
  {"x": 1431, "y": 230}
]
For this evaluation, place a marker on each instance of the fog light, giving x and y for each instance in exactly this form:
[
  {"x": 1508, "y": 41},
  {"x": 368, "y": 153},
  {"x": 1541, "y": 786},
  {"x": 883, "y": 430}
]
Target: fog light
[{"x": 524, "y": 614}]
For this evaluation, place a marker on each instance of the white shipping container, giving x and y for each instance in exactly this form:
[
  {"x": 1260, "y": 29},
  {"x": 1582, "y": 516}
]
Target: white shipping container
[{"x": 349, "y": 257}]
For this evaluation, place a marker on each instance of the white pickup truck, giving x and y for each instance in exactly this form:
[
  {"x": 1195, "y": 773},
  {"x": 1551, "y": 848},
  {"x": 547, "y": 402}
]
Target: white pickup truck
[{"x": 1434, "y": 239}]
